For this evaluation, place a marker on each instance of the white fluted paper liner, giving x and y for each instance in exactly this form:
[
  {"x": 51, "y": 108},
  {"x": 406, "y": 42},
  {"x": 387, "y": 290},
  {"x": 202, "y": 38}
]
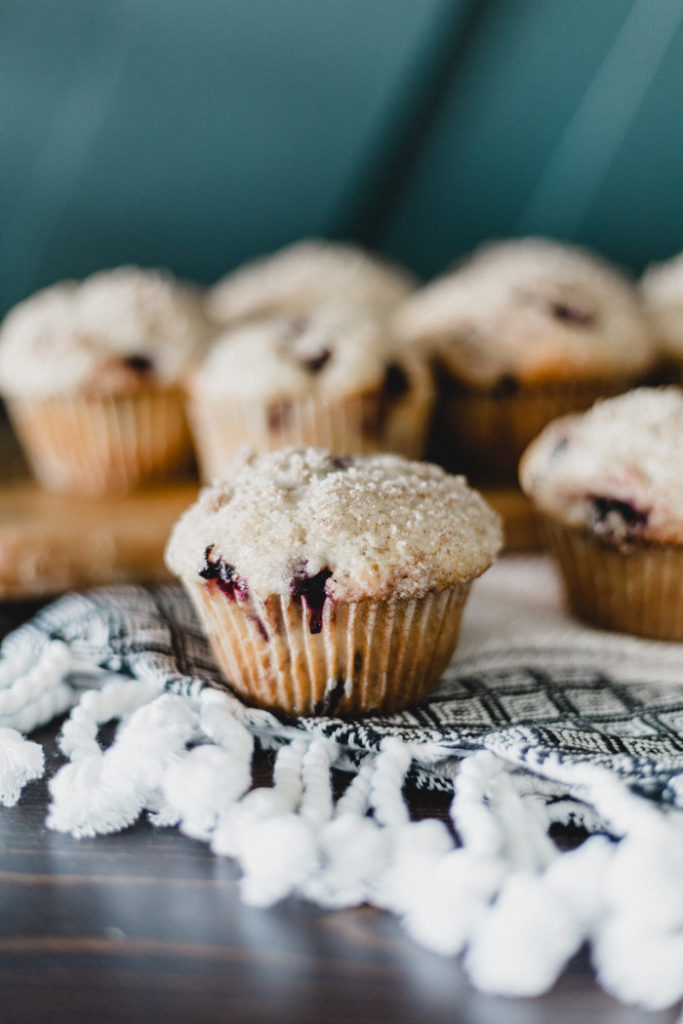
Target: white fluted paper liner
[
  {"x": 484, "y": 433},
  {"x": 104, "y": 444},
  {"x": 354, "y": 424},
  {"x": 638, "y": 590},
  {"x": 368, "y": 655}
]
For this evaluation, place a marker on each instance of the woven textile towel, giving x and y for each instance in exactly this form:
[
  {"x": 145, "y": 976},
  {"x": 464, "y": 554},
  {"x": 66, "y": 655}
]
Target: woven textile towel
[{"x": 538, "y": 720}]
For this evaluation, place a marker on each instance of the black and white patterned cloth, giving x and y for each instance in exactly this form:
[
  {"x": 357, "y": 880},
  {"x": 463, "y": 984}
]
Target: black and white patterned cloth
[
  {"x": 538, "y": 719},
  {"x": 527, "y": 681}
]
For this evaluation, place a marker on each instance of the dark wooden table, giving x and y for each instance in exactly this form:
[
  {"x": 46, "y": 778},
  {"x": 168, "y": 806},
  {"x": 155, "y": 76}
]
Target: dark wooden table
[{"x": 147, "y": 926}]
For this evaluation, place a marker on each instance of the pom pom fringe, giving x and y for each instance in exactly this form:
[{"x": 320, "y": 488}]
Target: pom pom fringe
[{"x": 503, "y": 896}]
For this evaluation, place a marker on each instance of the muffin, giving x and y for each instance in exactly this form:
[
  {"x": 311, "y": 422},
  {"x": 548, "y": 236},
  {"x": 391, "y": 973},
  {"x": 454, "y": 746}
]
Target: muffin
[
  {"x": 520, "y": 333},
  {"x": 608, "y": 485},
  {"x": 91, "y": 373},
  {"x": 306, "y": 275},
  {"x": 331, "y": 378},
  {"x": 662, "y": 289},
  {"x": 333, "y": 584}
]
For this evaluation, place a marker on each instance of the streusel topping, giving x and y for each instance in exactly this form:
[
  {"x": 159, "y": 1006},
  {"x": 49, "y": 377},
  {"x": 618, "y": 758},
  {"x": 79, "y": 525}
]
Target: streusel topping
[
  {"x": 662, "y": 288},
  {"x": 375, "y": 526},
  {"x": 533, "y": 309},
  {"x": 327, "y": 352},
  {"x": 617, "y": 469},
  {"x": 309, "y": 274},
  {"x": 103, "y": 334}
]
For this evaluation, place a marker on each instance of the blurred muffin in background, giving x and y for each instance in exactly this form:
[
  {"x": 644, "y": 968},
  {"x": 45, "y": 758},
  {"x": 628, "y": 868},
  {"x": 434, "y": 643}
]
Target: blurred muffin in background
[
  {"x": 307, "y": 274},
  {"x": 331, "y": 378},
  {"x": 91, "y": 376},
  {"x": 521, "y": 332},
  {"x": 662, "y": 289},
  {"x": 608, "y": 485}
]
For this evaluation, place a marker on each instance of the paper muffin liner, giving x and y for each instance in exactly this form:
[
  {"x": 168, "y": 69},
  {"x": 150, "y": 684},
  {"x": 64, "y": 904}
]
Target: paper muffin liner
[
  {"x": 355, "y": 424},
  {"x": 105, "y": 444},
  {"x": 484, "y": 433},
  {"x": 367, "y": 656},
  {"x": 636, "y": 590}
]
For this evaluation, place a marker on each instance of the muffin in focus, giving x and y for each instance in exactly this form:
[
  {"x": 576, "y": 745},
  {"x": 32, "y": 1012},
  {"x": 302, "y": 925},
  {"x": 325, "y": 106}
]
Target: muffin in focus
[
  {"x": 330, "y": 584},
  {"x": 521, "y": 332},
  {"x": 608, "y": 485},
  {"x": 305, "y": 275},
  {"x": 662, "y": 289},
  {"x": 91, "y": 373},
  {"x": 331, "y": 378}
]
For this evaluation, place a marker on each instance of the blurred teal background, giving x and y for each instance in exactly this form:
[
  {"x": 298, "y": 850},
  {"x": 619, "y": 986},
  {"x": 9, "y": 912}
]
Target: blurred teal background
[{"x": 196, "y": 135}]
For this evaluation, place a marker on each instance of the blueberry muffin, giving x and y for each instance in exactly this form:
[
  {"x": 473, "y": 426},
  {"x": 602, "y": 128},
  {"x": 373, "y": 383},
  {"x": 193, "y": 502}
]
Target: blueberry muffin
[
  {"x": 331, "y": 378},
  {"x": 91, "y": 373},
  {"x": 662, "y": 289},
  {"x": 333, "y": 584},
  {"x": 306, "y": 275},
  {"x": 521, "y": 332},
  {"x": 608, "y": 485}
]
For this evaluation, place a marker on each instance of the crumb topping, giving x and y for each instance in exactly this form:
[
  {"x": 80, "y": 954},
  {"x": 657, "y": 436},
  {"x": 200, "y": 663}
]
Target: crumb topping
[
  {"x": 327, "y": 352},
  {"x": 532, "y": 309},
  {"x": 305, "y": 275},
  {"x": 375, "y": 526},
  {"x": 107, "y": 333},
  {"x": 617, "y": 469}
]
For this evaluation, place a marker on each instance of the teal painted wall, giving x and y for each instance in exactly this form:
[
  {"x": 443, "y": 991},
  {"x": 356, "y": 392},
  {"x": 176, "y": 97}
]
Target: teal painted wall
[
  {"x": 562, "y": 117},
  {"x": 196, "y": 135}
]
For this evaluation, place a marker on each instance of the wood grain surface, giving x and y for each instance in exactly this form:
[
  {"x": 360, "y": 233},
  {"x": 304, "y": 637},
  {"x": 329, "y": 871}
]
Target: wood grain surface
[{"x": 50, "y": 543}]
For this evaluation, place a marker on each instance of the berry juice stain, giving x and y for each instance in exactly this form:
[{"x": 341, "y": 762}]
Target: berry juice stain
[
  {"x": 311, "y": 590},
  {"x": 224, "y": 576}
]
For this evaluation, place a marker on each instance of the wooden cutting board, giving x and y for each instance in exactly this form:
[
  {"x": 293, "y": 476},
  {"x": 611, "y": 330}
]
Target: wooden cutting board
[{"x": 51, "y": 543}]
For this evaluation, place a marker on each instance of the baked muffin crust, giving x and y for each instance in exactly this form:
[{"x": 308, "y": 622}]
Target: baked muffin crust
[
  {"x": 616, "y": 470},
  {"x": 108, "y": 334},
  {"x": 327, "y": 352},
  {"x": 375, "y": 527},
  {"x": 662, "y": 288},
  {"x": 307, "y": 274},
  {"x": 533, "y": 310}
]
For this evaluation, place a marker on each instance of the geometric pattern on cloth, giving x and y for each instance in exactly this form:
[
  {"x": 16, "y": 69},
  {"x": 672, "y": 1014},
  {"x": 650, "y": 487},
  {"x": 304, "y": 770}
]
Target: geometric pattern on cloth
[{"x": 527, "y": 681}]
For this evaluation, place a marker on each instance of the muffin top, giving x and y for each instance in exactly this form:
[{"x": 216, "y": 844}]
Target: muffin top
[
  {"x": 328, "y": 351},
  {"x": 112, "y": 332},
  {"x": 532, "y": 309},
  {"x": 308, "y": 274},
  {"x": 375, "y": 526},
  {"x": 616, "y": 470},
  {"x": 662, "y": 288}
]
